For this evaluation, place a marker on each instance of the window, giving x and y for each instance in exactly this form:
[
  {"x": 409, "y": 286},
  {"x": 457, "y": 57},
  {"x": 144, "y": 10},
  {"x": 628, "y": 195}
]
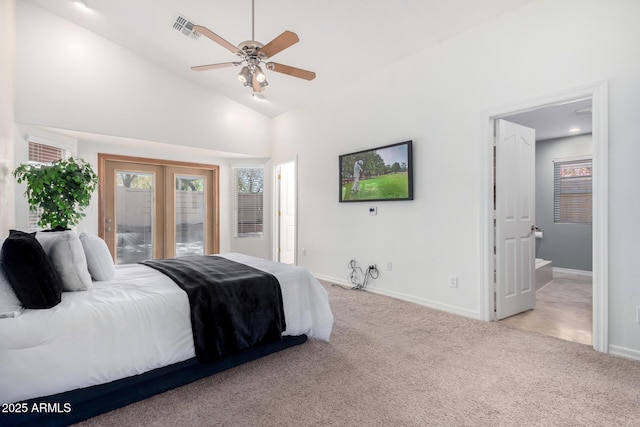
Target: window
[
  {"x": 572, "y": 191},
  {"x": 248, "y": 190},
  {"x": 41, "y": 154}
]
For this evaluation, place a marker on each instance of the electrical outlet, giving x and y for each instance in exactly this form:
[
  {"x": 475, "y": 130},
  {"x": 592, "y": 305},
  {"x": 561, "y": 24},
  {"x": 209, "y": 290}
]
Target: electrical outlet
[
  {"x": 304, "y": 251},
  {"x": 638, "y": 314},
  {"x": 389, "y": 266},
  {"x": 453, "y": 281}
]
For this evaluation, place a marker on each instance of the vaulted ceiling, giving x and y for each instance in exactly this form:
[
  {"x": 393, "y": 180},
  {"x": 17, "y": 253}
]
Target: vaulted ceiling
[{"x": 339, "y": 40}]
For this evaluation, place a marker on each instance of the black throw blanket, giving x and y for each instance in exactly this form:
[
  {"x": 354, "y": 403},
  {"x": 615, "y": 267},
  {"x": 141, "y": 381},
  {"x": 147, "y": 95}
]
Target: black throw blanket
[{"x": 233, "y": 306}]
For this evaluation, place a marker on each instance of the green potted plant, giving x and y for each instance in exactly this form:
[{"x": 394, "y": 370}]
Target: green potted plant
[{"x": 61, "y": 189}]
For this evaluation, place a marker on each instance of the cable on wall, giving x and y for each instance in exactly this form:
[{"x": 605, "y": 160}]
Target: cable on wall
[{"x": 370, "y": 273}]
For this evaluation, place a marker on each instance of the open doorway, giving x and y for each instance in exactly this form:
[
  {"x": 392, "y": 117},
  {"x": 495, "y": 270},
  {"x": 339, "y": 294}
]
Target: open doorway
[
  {"x": 563, "y": 220},
  {"x": 492, "y": 286}
]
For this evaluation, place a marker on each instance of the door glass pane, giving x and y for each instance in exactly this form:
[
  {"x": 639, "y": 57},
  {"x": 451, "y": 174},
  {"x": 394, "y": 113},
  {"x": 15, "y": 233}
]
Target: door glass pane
[
  {"x": 134, "y": 216},
  {"x": 190, "y": 215}
]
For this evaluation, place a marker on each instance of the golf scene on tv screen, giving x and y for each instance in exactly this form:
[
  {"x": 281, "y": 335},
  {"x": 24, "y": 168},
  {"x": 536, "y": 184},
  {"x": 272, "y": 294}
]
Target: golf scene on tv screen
[{"x": 383, "y": 173}]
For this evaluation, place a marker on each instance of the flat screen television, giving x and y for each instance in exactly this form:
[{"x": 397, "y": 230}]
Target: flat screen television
[{"x": 382, "y": 173}]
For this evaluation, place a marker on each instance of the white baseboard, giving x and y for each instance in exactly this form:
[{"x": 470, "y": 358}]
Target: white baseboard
[
  {"x": 404, "y": 297},
  {"x": 627, "y": 353},
  {"x": 572, "y": 271}
]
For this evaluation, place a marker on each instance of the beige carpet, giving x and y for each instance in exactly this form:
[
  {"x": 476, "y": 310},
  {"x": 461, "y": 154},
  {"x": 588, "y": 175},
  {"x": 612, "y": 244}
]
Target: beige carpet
[{"x": 393, "y": 363}]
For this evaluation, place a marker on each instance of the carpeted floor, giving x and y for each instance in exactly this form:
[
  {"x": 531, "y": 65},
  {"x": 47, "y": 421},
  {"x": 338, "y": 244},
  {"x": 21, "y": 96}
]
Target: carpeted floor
[{"x": 393, "y": 363}]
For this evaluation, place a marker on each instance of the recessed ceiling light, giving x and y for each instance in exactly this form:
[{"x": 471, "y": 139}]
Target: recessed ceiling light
[
  {"x": 574, "y": 130},
  {"x": 81, "y": 3}
]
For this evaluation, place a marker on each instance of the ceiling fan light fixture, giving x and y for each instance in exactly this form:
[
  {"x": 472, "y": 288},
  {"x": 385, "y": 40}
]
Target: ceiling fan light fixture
[
  {"x": 245, "y": 75},
  {"x": 260, "y": 76},
  {"x": 253, "y": 53}
]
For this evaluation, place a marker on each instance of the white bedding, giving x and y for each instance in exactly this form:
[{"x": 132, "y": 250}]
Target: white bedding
[{"x": 127, "y": 326}]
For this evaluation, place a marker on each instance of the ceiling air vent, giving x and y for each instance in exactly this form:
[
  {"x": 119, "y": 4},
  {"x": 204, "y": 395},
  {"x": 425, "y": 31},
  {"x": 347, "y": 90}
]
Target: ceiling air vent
[{"x": 185, "y": 26}]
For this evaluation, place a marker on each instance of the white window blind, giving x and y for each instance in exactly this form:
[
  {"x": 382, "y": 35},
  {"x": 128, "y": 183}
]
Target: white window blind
[
  {"x": 41, "y": 154},
  {"x": 248, "y": 201},
  {"x": 572, "y": 192}
]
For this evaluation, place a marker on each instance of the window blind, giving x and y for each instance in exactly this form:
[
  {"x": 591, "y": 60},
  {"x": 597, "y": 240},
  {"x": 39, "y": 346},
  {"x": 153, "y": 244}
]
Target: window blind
[
  {"x": 572, "y": 191},
  {"x": 41, "y": 154},
  {"x": 248, "y": 202},
  {"x": 44, "y": 154}
]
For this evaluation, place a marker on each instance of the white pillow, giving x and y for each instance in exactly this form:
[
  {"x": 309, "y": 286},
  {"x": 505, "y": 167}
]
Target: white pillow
[
  {"x": 99, "y": 258},
  {"x": 67, "y": 256},
  {"x": 10, "y": 305}
]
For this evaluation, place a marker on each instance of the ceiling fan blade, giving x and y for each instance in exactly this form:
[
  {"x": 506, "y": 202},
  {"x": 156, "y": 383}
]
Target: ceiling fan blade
[
  {"x": 292, "y": 71},
  {"x": 280, "y": 43},
  {"x": 215, "y": 66},
  {"x": 216, "y": 38}
]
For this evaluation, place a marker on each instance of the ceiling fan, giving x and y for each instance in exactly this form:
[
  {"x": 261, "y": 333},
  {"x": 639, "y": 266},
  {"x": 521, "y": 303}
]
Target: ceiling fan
[{"x": 253, "y": 54}]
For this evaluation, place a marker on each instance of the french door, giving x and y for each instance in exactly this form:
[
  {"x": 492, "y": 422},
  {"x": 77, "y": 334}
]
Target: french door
[{"x": 157, "y": 209}]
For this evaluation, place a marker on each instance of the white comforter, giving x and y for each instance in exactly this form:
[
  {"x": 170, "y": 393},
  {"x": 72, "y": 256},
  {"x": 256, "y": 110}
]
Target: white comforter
[{"x": 135, "y": 323}]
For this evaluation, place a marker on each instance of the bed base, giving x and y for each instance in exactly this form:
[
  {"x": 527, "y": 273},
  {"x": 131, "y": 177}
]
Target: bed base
[{"x": 76, "y": 405}]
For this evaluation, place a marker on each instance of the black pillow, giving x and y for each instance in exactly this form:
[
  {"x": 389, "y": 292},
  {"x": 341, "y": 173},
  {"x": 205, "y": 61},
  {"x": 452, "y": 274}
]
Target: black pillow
[{"x": 30, "y": 274}]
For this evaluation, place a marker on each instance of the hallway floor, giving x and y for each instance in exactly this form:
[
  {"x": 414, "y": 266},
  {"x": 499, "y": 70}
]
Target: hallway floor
[{"x": 563, "y": 309}]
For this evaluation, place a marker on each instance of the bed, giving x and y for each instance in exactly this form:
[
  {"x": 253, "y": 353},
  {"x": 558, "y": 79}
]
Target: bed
[{"x": 128, "y": 338}]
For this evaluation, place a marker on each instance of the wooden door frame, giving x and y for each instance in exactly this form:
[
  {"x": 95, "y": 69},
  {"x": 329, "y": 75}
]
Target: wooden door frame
[
  {"x": 215, "y": 187},
  {"x": 598, "y": 92}
]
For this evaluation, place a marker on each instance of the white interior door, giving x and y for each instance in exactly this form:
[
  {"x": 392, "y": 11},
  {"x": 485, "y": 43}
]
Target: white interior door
[
  {"x": 287, "y": 213},
  {"x": 515, "y": 219}
]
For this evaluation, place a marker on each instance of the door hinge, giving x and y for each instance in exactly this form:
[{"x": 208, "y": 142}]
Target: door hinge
[
  {"x": 279, "y": 213},
  {"x": 279, "y": 176}
]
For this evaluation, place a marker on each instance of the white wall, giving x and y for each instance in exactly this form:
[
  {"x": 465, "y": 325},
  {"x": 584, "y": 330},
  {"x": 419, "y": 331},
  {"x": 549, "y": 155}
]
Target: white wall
[
  {"x": 438, "y": 98},
  {"x": 7, "y": 79}
]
